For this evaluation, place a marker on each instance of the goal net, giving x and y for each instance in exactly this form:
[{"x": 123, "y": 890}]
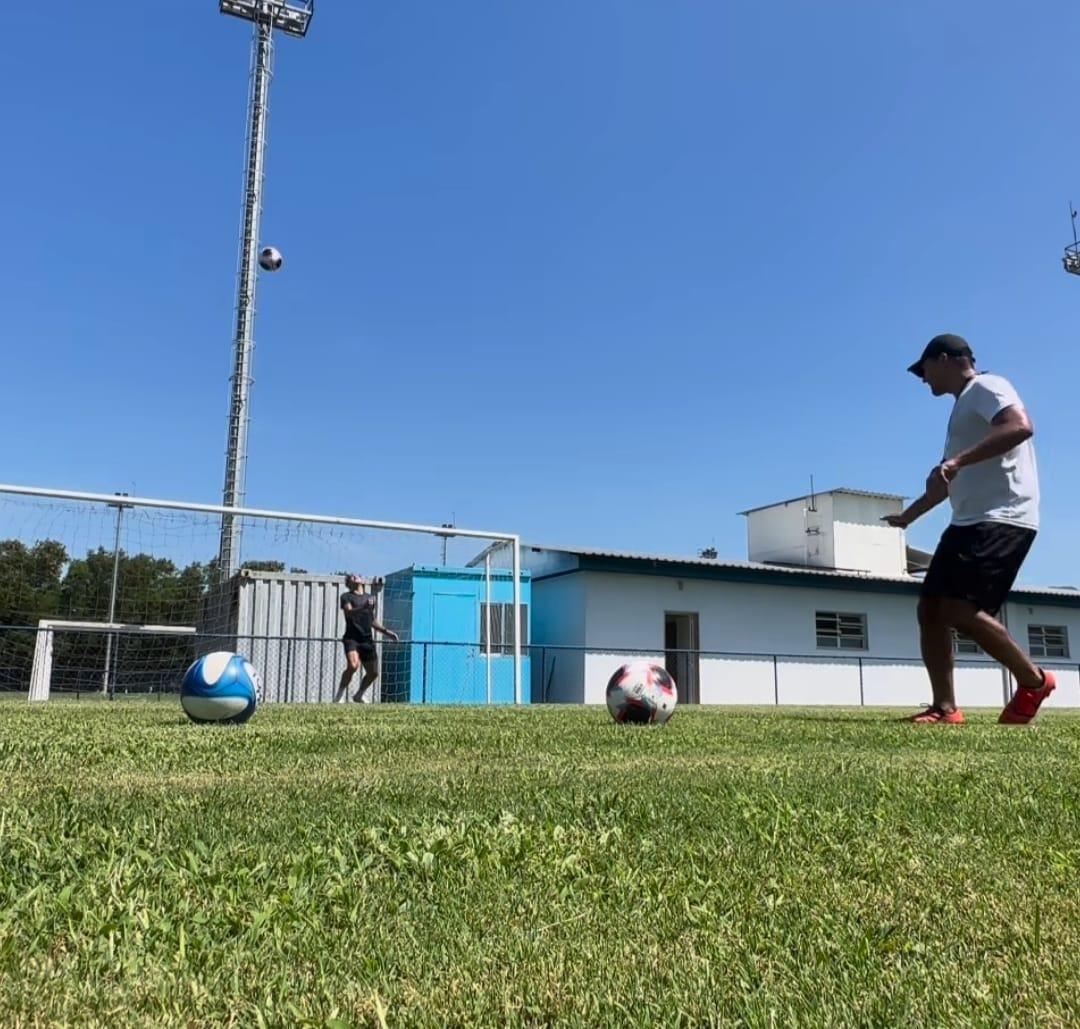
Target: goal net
[{"x": 114, "y": 595}]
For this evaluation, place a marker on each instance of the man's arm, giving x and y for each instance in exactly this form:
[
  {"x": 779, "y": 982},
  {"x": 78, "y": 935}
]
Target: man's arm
[
  {"x": 1008, "y": 429},
  {"x": 916, "y": 510},
  {"x": 385, "y": 631},
  {"x": 937, "y": 489}
]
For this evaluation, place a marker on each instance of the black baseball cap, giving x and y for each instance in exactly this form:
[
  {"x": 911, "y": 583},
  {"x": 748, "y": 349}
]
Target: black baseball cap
[{"x": 946, "y": 343}]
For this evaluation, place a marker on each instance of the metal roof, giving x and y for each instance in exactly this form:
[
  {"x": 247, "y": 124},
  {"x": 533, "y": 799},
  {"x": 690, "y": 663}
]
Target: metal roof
[
  {"x": 828, "y": 493},
  {"x": 1068, "y": 592},
  {"x": 750, "y": 566}
]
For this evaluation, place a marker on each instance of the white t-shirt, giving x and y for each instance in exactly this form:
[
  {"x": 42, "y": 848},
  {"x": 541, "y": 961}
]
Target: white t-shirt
[{"x": 1003, "y": 489}]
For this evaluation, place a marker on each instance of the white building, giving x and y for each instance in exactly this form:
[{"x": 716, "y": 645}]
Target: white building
[{"x": 822, "y": 613}]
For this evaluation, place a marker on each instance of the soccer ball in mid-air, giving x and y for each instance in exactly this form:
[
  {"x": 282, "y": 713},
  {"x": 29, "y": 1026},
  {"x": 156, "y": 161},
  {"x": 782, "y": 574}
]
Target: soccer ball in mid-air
[
  {"x": 270, "y": 259},
  {"x": 221, "y": 687},
  {"x": 641, "y": 692}
]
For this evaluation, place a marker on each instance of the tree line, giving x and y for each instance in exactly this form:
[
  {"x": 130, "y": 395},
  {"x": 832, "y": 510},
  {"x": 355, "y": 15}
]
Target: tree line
[{"x": 43, "y": 580}]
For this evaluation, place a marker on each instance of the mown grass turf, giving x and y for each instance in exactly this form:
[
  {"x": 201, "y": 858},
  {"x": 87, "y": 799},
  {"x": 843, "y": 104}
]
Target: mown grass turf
[{"x": 435, "y": 866}]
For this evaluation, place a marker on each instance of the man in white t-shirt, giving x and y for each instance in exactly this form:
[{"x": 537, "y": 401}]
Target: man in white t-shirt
[{"x": 989, "y": 474}]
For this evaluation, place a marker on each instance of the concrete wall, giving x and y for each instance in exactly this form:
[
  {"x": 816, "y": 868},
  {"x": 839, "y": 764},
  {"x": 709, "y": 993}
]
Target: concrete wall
[
  {"x": 616, "y": 616},
  {"x": 877, "y": 549},
  {"x": 792, "y": 534},
  {"x": 559, "y": 618},
  {"x": 841, "y": 531}
]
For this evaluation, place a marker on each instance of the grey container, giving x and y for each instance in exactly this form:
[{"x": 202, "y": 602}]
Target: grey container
[{"x": 289, "y": 626}]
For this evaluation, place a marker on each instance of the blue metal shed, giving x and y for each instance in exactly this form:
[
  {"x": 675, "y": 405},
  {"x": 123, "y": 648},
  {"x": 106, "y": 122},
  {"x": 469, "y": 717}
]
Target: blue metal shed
[{"x": 449, "y": 658}]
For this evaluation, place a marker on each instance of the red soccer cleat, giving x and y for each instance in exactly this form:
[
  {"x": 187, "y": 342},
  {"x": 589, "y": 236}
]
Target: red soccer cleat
[
  {"x": 935, "y": 716},
  {"x": 1025, "y": 703}
]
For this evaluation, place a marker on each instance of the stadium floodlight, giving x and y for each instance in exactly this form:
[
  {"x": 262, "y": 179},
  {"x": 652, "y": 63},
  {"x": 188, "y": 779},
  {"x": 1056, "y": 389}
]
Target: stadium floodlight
[
  {"x": 1071, "y": 260},
  {"x": 294, "y": 19},
  {"x": 291, "y": 18}
]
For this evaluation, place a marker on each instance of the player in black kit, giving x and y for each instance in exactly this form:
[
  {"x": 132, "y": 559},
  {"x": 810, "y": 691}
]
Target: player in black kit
[{"x": 359, "y": 640}]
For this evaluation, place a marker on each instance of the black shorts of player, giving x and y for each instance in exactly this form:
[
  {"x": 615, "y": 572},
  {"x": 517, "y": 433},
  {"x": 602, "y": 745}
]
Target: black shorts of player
[
  {"x": 365, "y": 648},
  {"x": 978, "y": 563}
]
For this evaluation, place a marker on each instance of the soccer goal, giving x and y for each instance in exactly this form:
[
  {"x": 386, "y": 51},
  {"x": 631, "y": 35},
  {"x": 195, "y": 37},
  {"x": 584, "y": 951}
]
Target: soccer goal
[
  {"x": 154, "y": 672},
  {"x": 115, "y": 594}
]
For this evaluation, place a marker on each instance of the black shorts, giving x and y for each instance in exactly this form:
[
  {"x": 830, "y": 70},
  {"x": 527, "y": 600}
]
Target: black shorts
[
  {"x": 365, "y": 648},
  {"x": 978, "y": 563}
]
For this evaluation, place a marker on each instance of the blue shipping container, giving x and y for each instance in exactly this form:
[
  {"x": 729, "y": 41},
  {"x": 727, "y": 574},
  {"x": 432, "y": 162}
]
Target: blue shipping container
[{"x": 447, "y": 658}]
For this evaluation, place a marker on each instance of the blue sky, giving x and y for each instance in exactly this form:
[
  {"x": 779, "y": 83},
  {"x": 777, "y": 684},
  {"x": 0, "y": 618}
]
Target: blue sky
[{"x": 602, "y": 273}]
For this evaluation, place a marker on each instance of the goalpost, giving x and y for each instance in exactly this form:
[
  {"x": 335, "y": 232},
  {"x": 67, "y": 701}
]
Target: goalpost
[
  {"x": 103, "y": 590},
  {"x": 42, "y": 668}
]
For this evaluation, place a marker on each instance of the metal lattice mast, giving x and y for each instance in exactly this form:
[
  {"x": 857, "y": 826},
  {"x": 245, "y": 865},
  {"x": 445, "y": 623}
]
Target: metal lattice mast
[{"x": 293, "y": 19}]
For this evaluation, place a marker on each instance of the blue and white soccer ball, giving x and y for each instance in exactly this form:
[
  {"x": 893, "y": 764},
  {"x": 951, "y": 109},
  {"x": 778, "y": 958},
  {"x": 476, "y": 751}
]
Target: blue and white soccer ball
[{"x": 221, "y": 688}]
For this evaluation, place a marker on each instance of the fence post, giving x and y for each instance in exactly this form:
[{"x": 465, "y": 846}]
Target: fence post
[
  {"x": 862, "y": 695},
  {"x": 423, "y": 684},
  {"x": 775, "y": 681},
  {"x": 288, "y": 669}
]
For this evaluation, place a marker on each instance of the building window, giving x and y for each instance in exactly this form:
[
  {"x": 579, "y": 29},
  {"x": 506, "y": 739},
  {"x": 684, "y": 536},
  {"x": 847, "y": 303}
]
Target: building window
[
  {"x": 502, "y": 627},
  {"x": 1048, "y": 641},
  {"x": 964, "y": 644},
  {"x": 841, "y": 631}
]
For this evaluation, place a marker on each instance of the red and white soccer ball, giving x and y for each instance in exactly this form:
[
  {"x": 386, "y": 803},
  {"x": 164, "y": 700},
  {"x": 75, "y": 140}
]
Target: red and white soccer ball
[{"x": 642, "y": 693}]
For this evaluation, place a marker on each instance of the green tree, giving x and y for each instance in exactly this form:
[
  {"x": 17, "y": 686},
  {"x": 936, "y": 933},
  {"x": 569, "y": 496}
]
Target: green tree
[
  {"x": 29, "y": 580},
  {"x": 150, "y": 591},
  {"x": 29, "y": 591},
  {"x": 43, "y": 581},
  {"x": 264, "y": 566}
]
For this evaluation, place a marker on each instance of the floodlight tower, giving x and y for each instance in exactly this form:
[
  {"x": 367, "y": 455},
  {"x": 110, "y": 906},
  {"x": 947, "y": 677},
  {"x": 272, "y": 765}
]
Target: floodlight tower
[
  {"x": 1071, "y": 260},
  {"x": 293, "y": 18}
]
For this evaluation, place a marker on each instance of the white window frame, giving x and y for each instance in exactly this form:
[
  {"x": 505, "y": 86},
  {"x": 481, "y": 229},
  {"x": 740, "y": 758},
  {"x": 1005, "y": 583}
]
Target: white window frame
[
  {"x": 1040, "y": 648},
  {"x": 963, "y": 645},
  {"x": 502, "y": 620},
  {"x": 837, "y": 642}
]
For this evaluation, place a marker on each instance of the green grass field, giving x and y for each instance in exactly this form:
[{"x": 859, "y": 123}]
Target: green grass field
[{"x": 404, "y": 866}]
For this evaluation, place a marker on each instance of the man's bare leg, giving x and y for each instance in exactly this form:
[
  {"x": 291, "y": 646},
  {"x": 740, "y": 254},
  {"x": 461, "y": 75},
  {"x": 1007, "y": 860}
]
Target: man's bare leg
[
  {"x": 994, "y": 638},
  {"x": 371, "y": 673},
  {"x": 352, "y": 659},
  {"x": 936, "y": 644}
]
